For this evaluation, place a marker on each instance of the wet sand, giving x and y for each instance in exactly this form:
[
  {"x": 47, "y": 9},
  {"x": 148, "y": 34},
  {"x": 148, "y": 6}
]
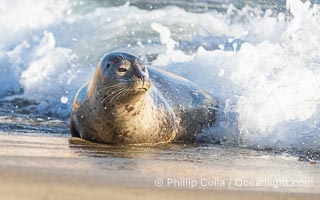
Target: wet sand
[{"x": 39, "y": 166}]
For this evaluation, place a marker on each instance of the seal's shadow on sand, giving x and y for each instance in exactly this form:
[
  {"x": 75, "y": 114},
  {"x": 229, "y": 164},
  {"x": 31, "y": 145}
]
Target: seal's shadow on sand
[{"x": 91, "y": 149}]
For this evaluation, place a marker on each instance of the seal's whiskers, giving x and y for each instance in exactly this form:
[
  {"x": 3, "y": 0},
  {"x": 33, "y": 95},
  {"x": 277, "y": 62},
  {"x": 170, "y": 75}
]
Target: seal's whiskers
[
  {"x": 128, "y": 90},
  {"x": 116, "y": 96},
  {"x": 113, "y": 93},
  {"x": 112, "y": 87}
]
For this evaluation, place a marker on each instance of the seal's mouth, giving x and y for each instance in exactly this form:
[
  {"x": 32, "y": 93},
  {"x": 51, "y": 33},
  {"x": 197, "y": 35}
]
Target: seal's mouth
[
  {"x": 139, "y": 90},
  {"x": 142, "y": 89}
]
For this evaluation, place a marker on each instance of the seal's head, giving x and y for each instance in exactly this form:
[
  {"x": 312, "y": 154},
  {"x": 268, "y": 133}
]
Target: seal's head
[{"x": 121, "y": 75}]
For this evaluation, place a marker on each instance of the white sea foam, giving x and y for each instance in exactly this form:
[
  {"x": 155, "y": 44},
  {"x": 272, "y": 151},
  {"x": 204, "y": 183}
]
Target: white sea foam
[
  {"x": 263, "y": 67},
  {"x": 269, "y": 89}
]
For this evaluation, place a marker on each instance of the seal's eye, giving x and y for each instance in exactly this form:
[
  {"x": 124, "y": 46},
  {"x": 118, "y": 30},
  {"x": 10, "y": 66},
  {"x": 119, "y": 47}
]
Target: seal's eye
[
  {"x": 120, "y": 69},
  {"x": 108, "y": 65}
]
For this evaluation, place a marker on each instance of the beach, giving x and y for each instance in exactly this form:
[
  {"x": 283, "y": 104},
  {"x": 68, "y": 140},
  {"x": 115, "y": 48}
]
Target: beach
[{"x": 55, "y": 167}]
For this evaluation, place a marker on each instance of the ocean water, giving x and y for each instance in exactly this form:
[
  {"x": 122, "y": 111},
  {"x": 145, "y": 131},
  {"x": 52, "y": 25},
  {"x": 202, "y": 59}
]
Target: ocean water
[{"x": 259, "y": 59}]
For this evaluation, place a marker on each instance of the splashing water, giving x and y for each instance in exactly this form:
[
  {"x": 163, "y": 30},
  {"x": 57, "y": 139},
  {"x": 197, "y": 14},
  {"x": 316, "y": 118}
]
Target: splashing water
[{"x": 262, "y": 65}]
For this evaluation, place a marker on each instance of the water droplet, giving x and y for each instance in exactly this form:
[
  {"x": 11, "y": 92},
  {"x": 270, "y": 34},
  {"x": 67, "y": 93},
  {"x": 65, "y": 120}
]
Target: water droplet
[
  {"x": 69, "y": 11},
  {"x": 64, "y": 99},
  {"x": 139, "y": 43},
  {"x": 221, "y": 46},
  {"x": 234, "y": 45}
]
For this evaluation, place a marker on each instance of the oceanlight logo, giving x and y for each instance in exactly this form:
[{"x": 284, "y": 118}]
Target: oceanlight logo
[
  {"x": 229, "y": 183},
  {"x": 238, "y": 182}
]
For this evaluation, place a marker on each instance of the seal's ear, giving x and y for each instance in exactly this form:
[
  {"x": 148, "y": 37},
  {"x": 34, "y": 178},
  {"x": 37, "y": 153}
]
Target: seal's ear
[{"x": 108, "y": 65}]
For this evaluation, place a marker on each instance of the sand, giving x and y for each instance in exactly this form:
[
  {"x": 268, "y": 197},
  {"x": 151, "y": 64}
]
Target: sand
[{"x": 49, "y": 167}]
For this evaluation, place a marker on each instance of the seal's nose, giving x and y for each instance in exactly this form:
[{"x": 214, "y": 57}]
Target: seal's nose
[
  {"x": 141, "y": 77},
  {"x": 142, "y": 83}
]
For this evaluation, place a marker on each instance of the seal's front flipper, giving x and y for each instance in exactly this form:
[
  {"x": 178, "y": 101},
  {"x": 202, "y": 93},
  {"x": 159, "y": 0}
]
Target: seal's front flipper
[
  {"x": 74, "y": 132},
  {"x": 78, "y": 141}
]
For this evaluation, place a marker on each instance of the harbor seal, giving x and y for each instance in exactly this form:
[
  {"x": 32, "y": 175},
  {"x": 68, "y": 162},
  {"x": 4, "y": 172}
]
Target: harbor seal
[{"x": 128, "y": 102}]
